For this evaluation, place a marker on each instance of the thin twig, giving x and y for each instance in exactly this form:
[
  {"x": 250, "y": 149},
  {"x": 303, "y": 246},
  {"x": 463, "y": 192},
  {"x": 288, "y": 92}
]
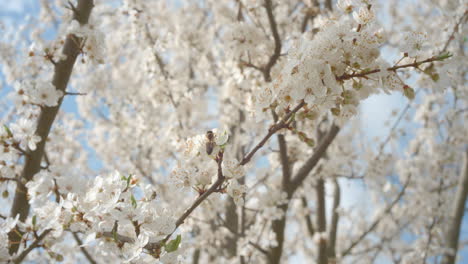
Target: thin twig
[
  {"x": 273, "y": 129},
  {"x": 378, "y": 220},
  {"x": 314, "y": 159},
  {"x": 71, "y": 93},
  {"x": 83, "y": 249},
  {"x": 33, "y": 245},
  {"x": 7, "y": 179},
  {"x": 455, "y": 29},
  {"x": 364, "y": 74},
  {"x": 259, "y": 248}
]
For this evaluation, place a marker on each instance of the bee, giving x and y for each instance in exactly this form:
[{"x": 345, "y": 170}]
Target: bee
[{"x": 210, "y": 144}]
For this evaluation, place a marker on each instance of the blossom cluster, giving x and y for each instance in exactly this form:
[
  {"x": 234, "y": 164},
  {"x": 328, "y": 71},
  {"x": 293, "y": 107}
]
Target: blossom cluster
[
  {"x": 198, "y": 168},
  {"x": 92, "y": 40},
  {"x": 39, "y": 92},
  {"x": 323, "y": 70},
  {"x": 105, "y": 210}
]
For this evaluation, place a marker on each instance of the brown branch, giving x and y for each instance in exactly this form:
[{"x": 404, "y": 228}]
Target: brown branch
[
  {"x": 157, "y": 245},
  {"x": 452, "y": 235},
  {"x": 306, "y": 19},
  {"x": 33, "y": 245},
  {"x": 322, "y": 257},
  {"x": 276, "y": 37},
  {"x": 314, "y": 159},
  {"x": 215, "y": 186},
  {"x": 207, "y": 193},
  {"x": 259, "y": 248},
  {"x": 334, "y": 221},
  {"x": 83, "y": 249},
  {"x": 283, "y": 152},
  {"x": 32, "y": 164},
  {"x": 278, "y": 227},
  {"x": 328, "y": 5},
  {"x": 455, "y": 29},
  {"x": 8, "y": 179},
  {"x": 309, "y": 224},
  {"x": 72, "y": 93},
  {"x": 273, "y": 129},
  {"x": 196, "y": 256},
  {"x": 158, "y": 58},
  {"x": 364, "y": 74}
]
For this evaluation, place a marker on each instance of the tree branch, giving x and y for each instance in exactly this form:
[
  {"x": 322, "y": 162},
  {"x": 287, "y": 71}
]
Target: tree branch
[
  {"x": 377, "y": 221},
  {"x": 33, "y": 245},
  {"x": 452, "y": 235},
  {"x": 455, "y": 29},
  {"x": 32, "y": 164},
  {"x": 415, "y": 64},
  {"x": 273, "y": 129},
  {"x": 322, "y": 257},
  {"x": 309, "y": 224},
  {"x": 276, "y": 37},
  {"x": 259, "y": 248},
  {"x": 283, "y": 153},
  {"x": 205, "y": 195},
  {"x": 314, "y": 159},
  {"x": 334, "y": 221},
  {"x": 83, "y": 249}
]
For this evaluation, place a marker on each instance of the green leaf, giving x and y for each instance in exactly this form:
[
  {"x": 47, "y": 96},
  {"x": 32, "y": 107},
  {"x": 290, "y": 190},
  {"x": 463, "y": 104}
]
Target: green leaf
[
  {"x": 173, "y": 245},
  {"x": 114, "y": 231},
  {"x": 444, "y": 56},
  {"x": 34, "y": 221},
  {"x": 8, "y": 130},
  {"x": 293, "y": 117},
  {"x": 357, "y": 85},
  {"x": 128, "y": 180},
  {"x": 310, "y": 142},
  {"x": 134, "y": 202}
]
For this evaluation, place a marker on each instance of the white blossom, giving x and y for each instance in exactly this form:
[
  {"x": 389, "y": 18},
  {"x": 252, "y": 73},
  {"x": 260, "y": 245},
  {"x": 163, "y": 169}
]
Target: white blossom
[{"x": 236, "y": 191}]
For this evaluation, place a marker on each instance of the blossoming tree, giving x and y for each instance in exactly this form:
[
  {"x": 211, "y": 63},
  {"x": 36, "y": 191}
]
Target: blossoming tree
[{"x": 229, "y": 132}]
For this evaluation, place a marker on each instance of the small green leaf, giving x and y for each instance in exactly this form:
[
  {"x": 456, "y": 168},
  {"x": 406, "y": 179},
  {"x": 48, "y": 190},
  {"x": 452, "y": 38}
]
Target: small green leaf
[
  {"x": 173, "y": 245},
  {"x": 34, "y": 221},
  {"x": 435, "y": 77},
  {"x": 128, "y": 180},
  {"x": 59, "y": 257},
  {"x": 114, "y": 232},
  {"x": 444, "y": 56},
  {"x": 8, "y": 130},
  {"x": 5, "y": 194},
  {"x": 357, "y": 85},
  {"x": 293, "y": 117},
  {"x": 312, "y": 115},
  {"x": 310, "y": 142},
  {"x": 134, "y": 202}
]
